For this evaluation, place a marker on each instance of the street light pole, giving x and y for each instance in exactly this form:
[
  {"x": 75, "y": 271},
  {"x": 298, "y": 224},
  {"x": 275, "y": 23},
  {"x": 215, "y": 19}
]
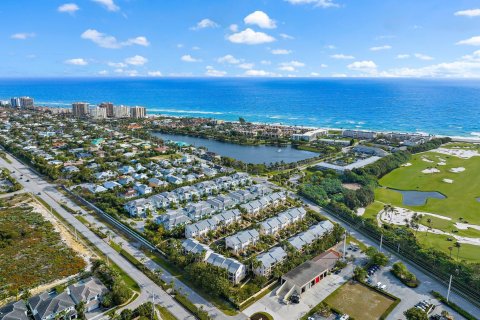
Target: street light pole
[
  {"x": 381, "y": 242},
  {"x": 449, "y": 287}
]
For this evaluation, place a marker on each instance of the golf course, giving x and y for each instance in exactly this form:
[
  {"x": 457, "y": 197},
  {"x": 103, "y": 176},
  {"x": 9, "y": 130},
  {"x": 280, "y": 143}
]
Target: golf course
[{"x": 443, "y": 186}]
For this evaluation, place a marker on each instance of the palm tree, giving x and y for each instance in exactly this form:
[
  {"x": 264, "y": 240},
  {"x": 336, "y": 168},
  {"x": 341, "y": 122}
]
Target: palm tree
[
  {"x": 429, "y": 222},
  {"x": 389, "y": 209},
  {"x": 457, "y": 245},
  {"x": 450, "y": 249}
]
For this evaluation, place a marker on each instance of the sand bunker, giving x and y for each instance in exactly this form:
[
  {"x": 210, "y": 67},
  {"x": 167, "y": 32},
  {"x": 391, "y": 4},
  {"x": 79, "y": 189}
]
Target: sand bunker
[
  {"x": 408, "y": 164},
  {"x": 442, "y": 163},
  {"x": 360, "y": 211},
  {"x": 460, "y": 153},
  {"x": 447, "y": 180},
  {"x": 431, "y": 170},
  {"x": 427, "y": 160},
  {"x": 457, "y": 170}
]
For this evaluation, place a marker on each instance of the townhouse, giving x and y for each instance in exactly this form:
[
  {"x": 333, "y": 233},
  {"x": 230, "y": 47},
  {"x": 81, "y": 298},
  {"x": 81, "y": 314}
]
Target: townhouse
[
  {"x": 315, "y": 232},
  {"x": 284, "y": 219},
  {"x": 139, "y": 207},
  {"x": 236, "y": 271},
  {"x": 242, "y": 240},
  {"x": 202, "y": 227},
  {"x": 268, "y": 260}
]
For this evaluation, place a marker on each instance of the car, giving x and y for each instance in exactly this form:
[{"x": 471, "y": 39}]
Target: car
[
  {"x": 384, "y": 287},
  {"x": 39, "y": 193},
  {"x": 28, "y": 180},
  {"x": 379, "y": 284},
  {"x": 337, "y": 271},
  {"x": 295, "y": 299}
]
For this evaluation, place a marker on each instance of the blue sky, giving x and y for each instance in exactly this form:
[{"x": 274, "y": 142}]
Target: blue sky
[{"x": 302, "y": 38}]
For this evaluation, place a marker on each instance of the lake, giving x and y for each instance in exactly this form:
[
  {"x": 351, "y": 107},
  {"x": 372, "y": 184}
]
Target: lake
[
  {"x": 418, "y": 198},
  {"x": 249, "y": 154}
]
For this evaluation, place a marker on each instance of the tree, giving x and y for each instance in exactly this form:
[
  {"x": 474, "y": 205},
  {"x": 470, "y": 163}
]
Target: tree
[
  {"x": 415, "y": 314},
  {"x": 359, "y": 273},
  {"x": 457, "y": 245},
  {"x": 241, "y": 120}
]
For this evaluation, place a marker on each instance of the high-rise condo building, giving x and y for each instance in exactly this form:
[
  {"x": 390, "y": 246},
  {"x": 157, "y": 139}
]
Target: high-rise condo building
[
  {"x": 121, "y": 112},
  {"x": 98, "y": 113},
  {"x": 15, "y": 102},
  {"x": 80, "y": 109},
  {"x": 137, "y": 112},
  {"x": 26, "y": 103},
  {"x": 108, "y": 106}
]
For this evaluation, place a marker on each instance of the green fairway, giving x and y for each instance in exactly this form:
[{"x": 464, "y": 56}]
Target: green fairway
[
  {"x": 461, "y": 194},
  {"x": 468, "y": 252}
]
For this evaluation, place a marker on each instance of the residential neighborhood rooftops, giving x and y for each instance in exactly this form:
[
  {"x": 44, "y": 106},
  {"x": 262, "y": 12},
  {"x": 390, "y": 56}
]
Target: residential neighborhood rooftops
[{"x": 14, "y": 311}]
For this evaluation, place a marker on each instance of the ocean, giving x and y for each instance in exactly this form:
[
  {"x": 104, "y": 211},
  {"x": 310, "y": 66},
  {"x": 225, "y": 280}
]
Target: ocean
[{"x": 443, "y": 107}]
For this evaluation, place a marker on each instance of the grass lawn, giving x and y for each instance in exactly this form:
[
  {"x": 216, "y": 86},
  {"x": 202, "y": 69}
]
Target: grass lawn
[
  {"x": 468, "y": 252},
  {"x": 449, "y": 226},
  {"x": 359, "y": 301},
  {"x": 373, "y": 209},
  {"x": 461, "y": 194},
  {"x": 261, "y": 316}
]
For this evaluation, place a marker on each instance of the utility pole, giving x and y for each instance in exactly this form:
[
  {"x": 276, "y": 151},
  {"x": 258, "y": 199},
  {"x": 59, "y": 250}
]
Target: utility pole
[
  {"x": 344, "y": 245},
  {"x": 381, "y": 242},
  {"x": 449, "y": 287}
]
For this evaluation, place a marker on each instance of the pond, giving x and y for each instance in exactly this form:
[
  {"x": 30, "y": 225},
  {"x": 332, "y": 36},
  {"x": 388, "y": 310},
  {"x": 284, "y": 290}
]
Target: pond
[
  {"x": 418, "y": 198},
  {"x": 248, "y": 154}
]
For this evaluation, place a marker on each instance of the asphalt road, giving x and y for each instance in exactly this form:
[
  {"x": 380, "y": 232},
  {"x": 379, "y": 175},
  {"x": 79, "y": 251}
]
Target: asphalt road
[{"x": 52, "y": 197}]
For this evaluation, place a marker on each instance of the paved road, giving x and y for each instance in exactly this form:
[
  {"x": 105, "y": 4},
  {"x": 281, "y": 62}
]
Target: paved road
[
  {"x": 52, "y": 197},
  {"x": 409, "y": 296}
]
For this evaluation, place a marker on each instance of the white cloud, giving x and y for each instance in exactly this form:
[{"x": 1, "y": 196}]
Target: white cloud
[
  {"x": 251, "y": 37},
  {"x": 116, "y": 64},
  {"x": 323, "y": 65},
  {"x": 260, "y": 19},
  {"x": 154, "y": 73},
  {"x": 291, "y": 66},
  {"x": 341, "y": 56},
  {"x": 286, "y": 36},
  {"x": 204, "y": 24},
  {"x": 136, "y": 60},
  {"x": 468, "y": 13},
  {"x": 314, "y": 74},
  {"x": 195, "y": 48},
  {"x": 259, "y": 73},
  {"x": 473, "y": 41},
  {"x": 403, "y": 56},
  {"x": 189, "y": 58},
  {"x": 380, "y": 48},
  {"x": 140, "y": 41},
  {"x": 339, "y": 75},
  {"x": 316, "y": 3},
  {"x": 110, "y": 42},
  {"x": 103, "y": 72},
  {"x": 108, "y": 4},
  {"x": 22, "y": 36},
  {"x": 68, "y": 8},
  {"x": 266, "y": 62},
  {"x": 212, "y": 72},
  {"x": 422, "y": 56},
  {"x": 246, "y": 66},
  {"x": 330, "y": 46},
  {"x": 233, "y": 27},
  {"x": 76, "y": 62},
  {"x": 228, "y": 59},
  {"x": 366, "y": 66},
  {"x": 281, "y": 51}
]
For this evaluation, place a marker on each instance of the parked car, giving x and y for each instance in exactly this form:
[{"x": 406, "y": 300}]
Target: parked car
[{"x": 295, "y": 299}]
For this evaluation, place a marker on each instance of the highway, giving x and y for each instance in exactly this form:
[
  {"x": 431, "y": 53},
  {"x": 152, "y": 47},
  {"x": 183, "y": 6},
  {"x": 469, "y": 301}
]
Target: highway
[{"x": 35, "y": 184}]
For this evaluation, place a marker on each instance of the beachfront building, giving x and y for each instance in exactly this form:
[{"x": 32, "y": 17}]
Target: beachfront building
[
  {"x": 242, "y": 240},
  {"x": 309, "y": 135},
  {"x": 269, "y": 260},
  {"x": 138, "y": 112},
  {"x": 121, "y": 111},
  {"x": 359, "y": 134},
  {"x": 80, "y": 109},
  {"x": 98, "y": 113}
]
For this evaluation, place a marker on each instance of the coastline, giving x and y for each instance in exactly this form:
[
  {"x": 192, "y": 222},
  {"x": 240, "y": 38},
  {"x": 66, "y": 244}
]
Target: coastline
[{"x": 470, "y": 139}]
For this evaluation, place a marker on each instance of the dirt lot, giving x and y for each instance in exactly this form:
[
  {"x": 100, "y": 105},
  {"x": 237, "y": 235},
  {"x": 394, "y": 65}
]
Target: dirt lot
[{"x": 359, "y": 301}]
